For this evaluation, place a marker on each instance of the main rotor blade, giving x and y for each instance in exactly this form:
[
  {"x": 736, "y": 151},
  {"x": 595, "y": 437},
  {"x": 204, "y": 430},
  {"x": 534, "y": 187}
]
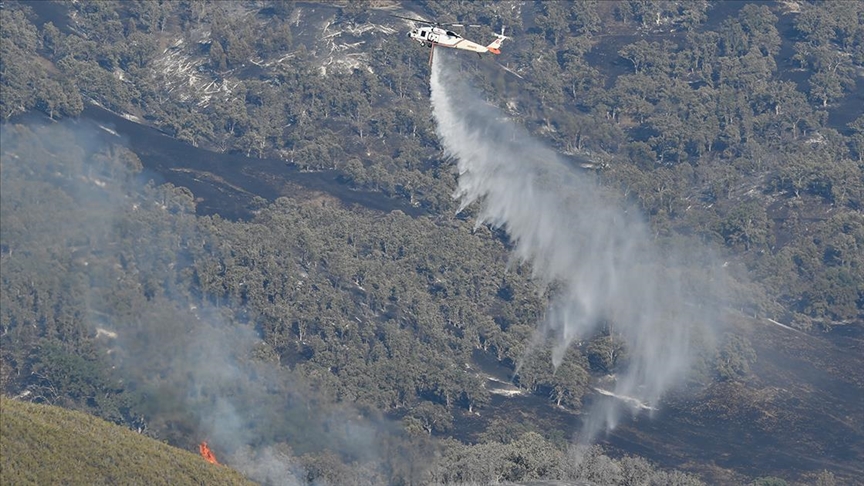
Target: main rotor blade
[
  {"x": 436, "y": 24},
  {"x": 415, "y": 20},
  {"x": 514, "y": 73}
]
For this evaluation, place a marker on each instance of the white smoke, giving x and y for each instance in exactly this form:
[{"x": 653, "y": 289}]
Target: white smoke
[
  {"x": 194, "y": 372},
  {"x": 601, "y": 257}
]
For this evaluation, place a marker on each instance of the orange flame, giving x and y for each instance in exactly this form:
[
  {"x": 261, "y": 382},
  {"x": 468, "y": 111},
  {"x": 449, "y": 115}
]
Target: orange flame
[{"x": 207, "y": 454}]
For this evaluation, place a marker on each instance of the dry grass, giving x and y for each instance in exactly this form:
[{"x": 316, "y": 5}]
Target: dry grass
[{"x": 41, "y": 444}]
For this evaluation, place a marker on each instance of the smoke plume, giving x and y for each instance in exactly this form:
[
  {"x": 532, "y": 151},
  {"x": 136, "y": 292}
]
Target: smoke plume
[
  {"x": 607, "y": 272},
  {"x": 72, "y": 193}
]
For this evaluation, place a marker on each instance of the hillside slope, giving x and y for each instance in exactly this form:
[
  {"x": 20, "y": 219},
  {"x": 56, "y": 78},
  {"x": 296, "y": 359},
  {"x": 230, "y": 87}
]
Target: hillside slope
[
  {"x": 731, "y": 128},
  {"x": 42, "y": 444}
]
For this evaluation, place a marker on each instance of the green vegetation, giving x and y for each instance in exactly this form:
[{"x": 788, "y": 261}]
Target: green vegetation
[
  {"x": 531, "y": 457},
  {"x": 699, "y": 124},
  {"x": 42, "y": 444},
  {"x": 735, "y": 356},
  {"x": 711, "y": 132}
]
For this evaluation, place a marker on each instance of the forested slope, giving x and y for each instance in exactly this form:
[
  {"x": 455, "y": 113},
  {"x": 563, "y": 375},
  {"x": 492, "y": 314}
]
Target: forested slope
[
  {"x": 343, "y": 313},
  {"x": 727, "y": 129}
]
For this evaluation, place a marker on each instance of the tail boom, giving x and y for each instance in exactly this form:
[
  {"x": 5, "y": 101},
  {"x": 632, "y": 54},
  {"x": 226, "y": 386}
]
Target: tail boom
[{"x": 495, "y": 46}]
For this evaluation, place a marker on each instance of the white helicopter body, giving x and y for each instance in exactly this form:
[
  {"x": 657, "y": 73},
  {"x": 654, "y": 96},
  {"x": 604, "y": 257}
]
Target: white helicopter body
[
  {"x": 435, "y": 34},
  {"x": 431, "y": 36}
]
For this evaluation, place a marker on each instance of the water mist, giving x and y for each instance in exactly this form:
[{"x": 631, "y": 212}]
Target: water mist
[{"x": 601, "y": 257}]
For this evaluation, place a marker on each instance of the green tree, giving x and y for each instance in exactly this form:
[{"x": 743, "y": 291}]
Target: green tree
[
  {"x": 747, "y": 225},
  {"x": 735, "y": 357},
  {"x": 606, "y": 353}
]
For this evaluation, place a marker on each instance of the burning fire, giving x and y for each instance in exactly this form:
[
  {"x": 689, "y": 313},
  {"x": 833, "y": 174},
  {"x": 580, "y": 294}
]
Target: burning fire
[{"x": 207, "y": 454}]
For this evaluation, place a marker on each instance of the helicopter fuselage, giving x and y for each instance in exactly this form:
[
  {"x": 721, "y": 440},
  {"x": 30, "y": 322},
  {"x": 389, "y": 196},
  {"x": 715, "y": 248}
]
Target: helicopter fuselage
[{"x": 444, "y": 38}]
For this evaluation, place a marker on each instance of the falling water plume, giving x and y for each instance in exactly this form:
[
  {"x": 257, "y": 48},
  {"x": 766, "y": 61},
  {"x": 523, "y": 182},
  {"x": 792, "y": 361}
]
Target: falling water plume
[{"x": 600, "y": 256}]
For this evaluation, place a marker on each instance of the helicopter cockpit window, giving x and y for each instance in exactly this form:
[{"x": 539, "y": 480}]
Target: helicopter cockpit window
[
  {"x": 452, "y": 34},
  {"x": 423, "y": 33}
]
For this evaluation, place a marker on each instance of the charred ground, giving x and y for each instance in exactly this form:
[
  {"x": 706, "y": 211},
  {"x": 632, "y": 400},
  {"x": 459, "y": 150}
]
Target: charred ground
[{"x": 733, "y": 129}]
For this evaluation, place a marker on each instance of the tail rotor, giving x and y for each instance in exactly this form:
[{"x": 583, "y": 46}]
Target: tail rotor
[{"x": 495, "y": 46}]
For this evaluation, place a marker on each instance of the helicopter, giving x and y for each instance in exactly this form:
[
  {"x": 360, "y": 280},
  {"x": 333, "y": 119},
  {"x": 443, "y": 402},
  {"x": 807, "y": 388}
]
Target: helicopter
[{"x": 436, "y": 34}]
